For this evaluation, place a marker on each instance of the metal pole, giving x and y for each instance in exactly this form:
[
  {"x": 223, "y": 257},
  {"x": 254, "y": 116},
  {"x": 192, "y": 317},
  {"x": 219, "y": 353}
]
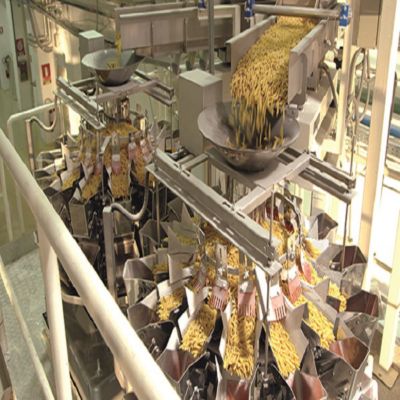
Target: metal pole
[
  {"x": 55, "y": 315},
  {"x": 136, "y": 362},
  {"x": 380, "y": 117},
  {"x": 37, "y": 364},
  {"x": 211, "y": 35},
  {"x": 4, "y": 193},
  {"x": 292, "y": 11},
  {"x": 344, "y": 86},
  {"x": 108, "y": 225}
]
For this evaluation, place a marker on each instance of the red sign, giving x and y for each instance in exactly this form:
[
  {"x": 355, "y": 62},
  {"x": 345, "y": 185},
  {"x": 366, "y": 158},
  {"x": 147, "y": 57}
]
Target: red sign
[
  {"x": 20, "y": 47},
  {"x": 46, "y": 73}
]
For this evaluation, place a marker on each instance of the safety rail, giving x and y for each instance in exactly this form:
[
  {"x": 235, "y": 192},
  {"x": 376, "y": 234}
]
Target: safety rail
[{"x": 137, "y": 365}]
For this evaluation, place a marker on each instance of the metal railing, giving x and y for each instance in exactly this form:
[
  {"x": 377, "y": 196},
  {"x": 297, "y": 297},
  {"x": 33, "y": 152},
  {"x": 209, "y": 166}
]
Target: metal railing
[{"x": 137, "y": 365}]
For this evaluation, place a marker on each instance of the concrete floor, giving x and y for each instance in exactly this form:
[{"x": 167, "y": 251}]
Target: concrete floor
[{"x": 25, "y": 276}]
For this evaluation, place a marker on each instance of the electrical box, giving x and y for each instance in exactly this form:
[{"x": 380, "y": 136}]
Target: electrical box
[
  {"x": 197, "y": 90},
  {"x": 89, "y": 41},
  {"x": 366, "y": 19}
]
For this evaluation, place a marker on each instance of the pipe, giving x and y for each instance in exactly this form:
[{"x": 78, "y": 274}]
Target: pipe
[
  {"x": 139, "y": 215},
  {"x": 55, "y": 314},
  {"x": 325, "y": 68},
  {"x": 137, "y": 364},
  {"x": 10, "y": 132},
  {"x": 211, "y": 36},
  {"x": 37, "y": 364},
  {"x": 28, "y": 128},
  {"x": 297, "y": 11}
]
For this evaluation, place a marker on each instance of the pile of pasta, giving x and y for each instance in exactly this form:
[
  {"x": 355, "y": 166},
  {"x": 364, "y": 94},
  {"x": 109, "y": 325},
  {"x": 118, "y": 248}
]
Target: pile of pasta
[
  {"x": 71, "y": 179},
  {"x": 199, "y": 330},
  {"x": 283, "y": 348},
  {"x": 91, "y": 187},
  {"x": 259, "y": 86},
  {"x": 239, "y": 351},
  {"x": 169, "y": 303},
  {"x": 318, "y": 322}
]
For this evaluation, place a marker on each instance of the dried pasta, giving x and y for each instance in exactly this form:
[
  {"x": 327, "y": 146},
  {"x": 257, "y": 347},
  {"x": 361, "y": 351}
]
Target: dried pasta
[
  {"x": 71, "y": 179},
  {"x": 318, "y": 322},
  {"x": 283, "y": 348},
  {"x": 169, "y": 303},
  {"x": 160, "y": 268},
  {"x": 91, "y": 187},
  {"x": 239, "y": 352},
  {"x": 259, "y": 85},
  {"x": 199, "y": 330}
]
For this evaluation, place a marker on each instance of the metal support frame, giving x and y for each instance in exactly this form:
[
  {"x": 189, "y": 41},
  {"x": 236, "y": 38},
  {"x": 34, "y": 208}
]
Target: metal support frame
[
  {"x": 108, "y": 226},
  {"x": 380, "y": 120},
  {"x": 392, "y": 309},
  {"x": 231, "y": 218},
  {"x": 136, "y": 362},
  {"x": 293, "y": 11},
  {"x": 344, "y": 88},
  {"x": 55, "y": 316}
]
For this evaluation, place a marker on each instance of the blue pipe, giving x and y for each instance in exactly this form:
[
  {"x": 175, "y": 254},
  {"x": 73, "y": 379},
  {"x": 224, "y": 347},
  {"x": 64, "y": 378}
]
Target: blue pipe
[{"x": 394, "y": 130}]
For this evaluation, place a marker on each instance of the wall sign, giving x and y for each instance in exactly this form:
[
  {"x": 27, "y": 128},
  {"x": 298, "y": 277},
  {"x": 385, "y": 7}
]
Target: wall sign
[{"x": 46, "y": 74}]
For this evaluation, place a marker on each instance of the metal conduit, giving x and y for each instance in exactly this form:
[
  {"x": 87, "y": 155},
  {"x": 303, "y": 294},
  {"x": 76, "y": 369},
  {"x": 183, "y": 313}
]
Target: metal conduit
[{"x": 138, "y": 366}]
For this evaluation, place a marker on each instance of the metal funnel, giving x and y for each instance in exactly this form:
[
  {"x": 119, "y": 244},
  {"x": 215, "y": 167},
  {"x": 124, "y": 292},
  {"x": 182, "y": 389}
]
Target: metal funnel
[
  {"x": 111, "y": 69},
  {"x": 216, "y": 126}
]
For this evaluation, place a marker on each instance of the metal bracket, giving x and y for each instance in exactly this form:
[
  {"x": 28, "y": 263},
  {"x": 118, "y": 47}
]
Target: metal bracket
[{"x": 233, "y": 224}]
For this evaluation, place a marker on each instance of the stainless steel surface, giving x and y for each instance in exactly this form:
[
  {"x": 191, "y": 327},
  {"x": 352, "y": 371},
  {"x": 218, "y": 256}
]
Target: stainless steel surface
[
  {"x": 238, "y": 228},
  {"x": 214, "y": 124},
  {"x": 136, "y": 362},
  {"x": 238, "y": 45},
  {"x": 112, "y": 69},
  {"x": 153, "y": 32},
  {"x": 293, "y": 11}
]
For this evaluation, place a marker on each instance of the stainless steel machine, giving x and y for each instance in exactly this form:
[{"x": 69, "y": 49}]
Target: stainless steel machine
[{"x": 161, "y": 224}]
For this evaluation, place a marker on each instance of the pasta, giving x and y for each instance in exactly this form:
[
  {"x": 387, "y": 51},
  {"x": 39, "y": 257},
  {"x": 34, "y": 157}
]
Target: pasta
[
  {"x": 160, "y": 268},
  {"x": 318, "y": 322},
  {"x": 169, "y": 303},
  {"x": 283, "y": 348},
  {"x": 91, "y": 187},
  {"x": 239, "y": 352},
  {"x": 199, "y": 330},
  {"x": 259, "y": 86},
  {"x": 71, "y": 179}
]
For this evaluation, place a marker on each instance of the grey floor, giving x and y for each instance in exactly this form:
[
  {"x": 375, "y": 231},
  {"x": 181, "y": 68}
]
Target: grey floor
[{"x": 25, "y": 275}]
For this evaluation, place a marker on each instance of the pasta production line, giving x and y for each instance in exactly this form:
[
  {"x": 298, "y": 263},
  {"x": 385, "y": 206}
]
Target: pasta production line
[{"x": 238, "y": 287}]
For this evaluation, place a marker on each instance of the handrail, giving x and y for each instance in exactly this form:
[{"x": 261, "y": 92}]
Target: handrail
[{"x": 138, "y": 366}]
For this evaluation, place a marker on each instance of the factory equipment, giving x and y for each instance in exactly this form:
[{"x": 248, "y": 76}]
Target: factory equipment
[{"x": 233, "y": 290}]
